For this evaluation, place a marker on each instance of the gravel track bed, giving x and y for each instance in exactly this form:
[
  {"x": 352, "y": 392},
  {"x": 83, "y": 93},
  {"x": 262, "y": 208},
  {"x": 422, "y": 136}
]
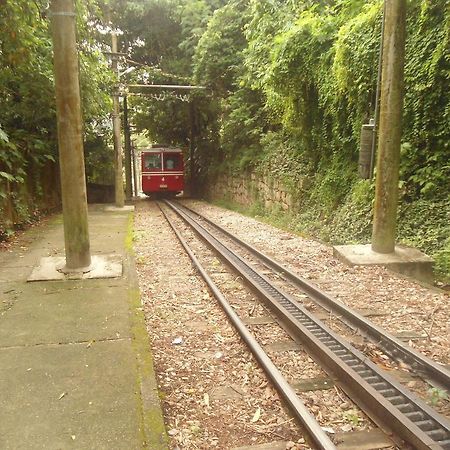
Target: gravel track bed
[
  {"x": 211, "y": 359},
  {"x": 326, "y": 406},
  {"x": 405, "y": 307},
  {"x": 214, "y": 394},
  {"x": 409, "y": 305}
]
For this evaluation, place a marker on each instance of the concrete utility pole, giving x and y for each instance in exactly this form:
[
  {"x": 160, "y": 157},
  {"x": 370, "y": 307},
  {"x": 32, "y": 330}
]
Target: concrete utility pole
[
  {"x": 70, "y": 141},
  {"x": 127, "y": 134},
  {"x": 390, "y": 131},
  {"x": 119, "y": 195},
  {"x": 192, "y": 145},
  {"x": 135, "y": 174}
]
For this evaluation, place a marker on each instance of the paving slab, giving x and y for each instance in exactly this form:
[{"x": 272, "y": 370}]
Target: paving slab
[
  {"x": 69, "y": 396},
  {"x": 405, "y": 260},
  {"x": 80, "y": 314}
]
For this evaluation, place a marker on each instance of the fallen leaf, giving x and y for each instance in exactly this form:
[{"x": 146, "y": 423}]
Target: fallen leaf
[
  {"x": 206, "y": 399},
  {"x": 257, "y": 415}
]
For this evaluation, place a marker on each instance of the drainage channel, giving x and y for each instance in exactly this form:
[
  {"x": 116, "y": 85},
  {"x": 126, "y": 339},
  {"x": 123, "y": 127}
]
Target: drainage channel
[
  {"x": 388, "y": 403},
  {"x": 436, "y": 373}
]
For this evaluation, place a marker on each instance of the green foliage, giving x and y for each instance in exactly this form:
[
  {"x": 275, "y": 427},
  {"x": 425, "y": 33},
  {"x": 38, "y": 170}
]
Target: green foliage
[
  {"x": 151, "y": 31},
  {"x": 425, "y": 159},
  {"x": 353, "y": 220},
  {"x": 218, "y": 58},
  {"x": 25, "y": 88},
  {"x": 28, "y": 135},
  {"x": 437, "y": 395},
  {"x": 194, "y": 18},
  {"x": 425, "y": 224}
]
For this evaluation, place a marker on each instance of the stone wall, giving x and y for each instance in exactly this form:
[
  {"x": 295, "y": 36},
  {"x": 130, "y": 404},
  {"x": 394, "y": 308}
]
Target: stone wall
[
  {"x": 20, "y": 203},
  {"x": 250, "y": 188}
]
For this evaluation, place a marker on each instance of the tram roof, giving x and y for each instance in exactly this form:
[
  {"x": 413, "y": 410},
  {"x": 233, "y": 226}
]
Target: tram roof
[{"x": 163, "y": 149}]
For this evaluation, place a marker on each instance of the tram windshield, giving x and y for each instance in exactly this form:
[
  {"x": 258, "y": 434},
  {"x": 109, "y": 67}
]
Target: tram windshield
[
  {"x": 172, "y": 162},
  {"x": 152, "y": 161}
]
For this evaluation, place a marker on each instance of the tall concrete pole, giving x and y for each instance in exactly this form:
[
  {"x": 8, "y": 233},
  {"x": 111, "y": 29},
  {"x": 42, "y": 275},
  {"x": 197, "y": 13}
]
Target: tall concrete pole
[
  {"x": 390, "y": 131},
  {"x": 70, "y": 140},
  {"x": 135, "y": 174},
  {"x": 119, "y": 195},
  {"x": 127, "y": 135},
  {"x": 192, "y": 144}
]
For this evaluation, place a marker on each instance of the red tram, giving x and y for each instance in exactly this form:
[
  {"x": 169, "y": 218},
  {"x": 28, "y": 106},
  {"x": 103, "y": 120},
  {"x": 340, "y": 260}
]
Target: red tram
[{"x": 162, "y": 170}]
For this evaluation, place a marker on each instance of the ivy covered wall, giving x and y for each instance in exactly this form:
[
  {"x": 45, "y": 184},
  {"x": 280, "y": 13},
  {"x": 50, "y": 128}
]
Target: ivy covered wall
[{"x": 304, "y": 83}]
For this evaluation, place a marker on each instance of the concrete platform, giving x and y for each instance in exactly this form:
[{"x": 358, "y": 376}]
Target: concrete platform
[
  {"x": 405, "y": 260},
  {"x": 75, "y": 364}
]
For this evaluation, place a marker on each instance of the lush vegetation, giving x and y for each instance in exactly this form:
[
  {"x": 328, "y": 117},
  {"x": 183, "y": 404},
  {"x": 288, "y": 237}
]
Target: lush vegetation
[
  {"x": 298, "y": 89},
  {"x": 289, "y": 84},
  {"x": 28, "y": 141}
]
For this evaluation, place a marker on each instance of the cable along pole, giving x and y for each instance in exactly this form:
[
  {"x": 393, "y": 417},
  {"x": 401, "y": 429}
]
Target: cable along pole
[
  {"x": 127, "y": 142},
  {"x": 390, "y": 131},
  {"x": 70, "y": 140}
]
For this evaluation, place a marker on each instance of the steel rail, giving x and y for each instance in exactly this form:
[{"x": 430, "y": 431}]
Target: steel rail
[
  {"x": 313, "y": 428},
  {"x": 435, "y": 372},
  {"x": 387, "y": 402}
]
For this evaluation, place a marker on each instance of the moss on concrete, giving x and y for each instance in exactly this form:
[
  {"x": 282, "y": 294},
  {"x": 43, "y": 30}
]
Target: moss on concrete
[
  {"x": 130, "y": 235},
  {"x": 153, "y": 428}
]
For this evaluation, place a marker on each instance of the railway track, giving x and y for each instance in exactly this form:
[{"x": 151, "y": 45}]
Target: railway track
[
  {"x": 387, "y": 402},
  {"x": 419, "y": 363}
]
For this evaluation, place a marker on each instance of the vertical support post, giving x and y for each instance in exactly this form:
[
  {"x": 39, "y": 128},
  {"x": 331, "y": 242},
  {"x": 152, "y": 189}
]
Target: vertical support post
[
  {"x": 135, "y": 174},
  {"x": 70, "y": 140},
  {"x": 192, "y": 134},
  {"x": 119, "y": 195},
  {"x": 391, "y": 108},
  {"x": 127, "y": 135}
]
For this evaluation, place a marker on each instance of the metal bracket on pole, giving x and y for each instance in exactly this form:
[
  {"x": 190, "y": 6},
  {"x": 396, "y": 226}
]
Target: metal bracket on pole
[{"x": 61, "y": 13}]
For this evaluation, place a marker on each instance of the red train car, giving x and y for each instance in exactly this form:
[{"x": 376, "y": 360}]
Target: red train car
[{"x": 162, "y": 170}]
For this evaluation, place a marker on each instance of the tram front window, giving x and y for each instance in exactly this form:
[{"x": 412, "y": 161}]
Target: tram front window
[
  {"x": 172, "y": 162},
  {"x": 152, "y": 162}
]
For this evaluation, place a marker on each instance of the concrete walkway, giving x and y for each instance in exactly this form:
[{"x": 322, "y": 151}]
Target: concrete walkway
[{"x": 75, "y": 367}]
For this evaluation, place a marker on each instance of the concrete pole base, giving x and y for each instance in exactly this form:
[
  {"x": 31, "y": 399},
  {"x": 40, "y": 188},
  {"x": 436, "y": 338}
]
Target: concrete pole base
[
  {"x": 405, "y": 260},
  {"x": 66, "y": 270},
  {"x": 52, "y": 268}
]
